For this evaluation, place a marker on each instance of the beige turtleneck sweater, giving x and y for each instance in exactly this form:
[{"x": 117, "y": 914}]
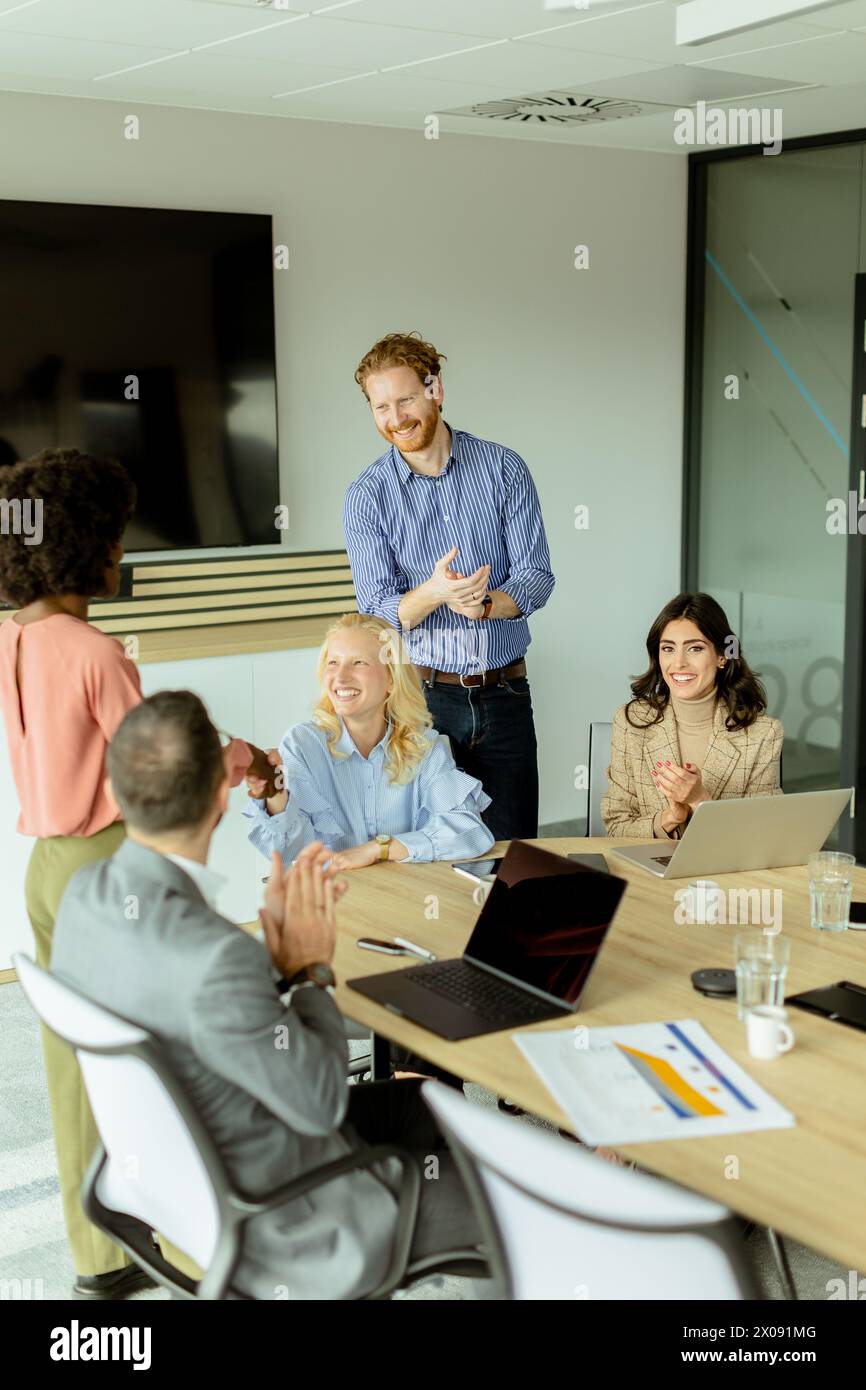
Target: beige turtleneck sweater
[{"x": 694, "y": 731}]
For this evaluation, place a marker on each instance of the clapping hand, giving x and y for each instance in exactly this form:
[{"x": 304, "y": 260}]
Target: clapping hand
[
  {"x": 299, "y": 919},
  {"x": 682, "y": 786},
  {"x": 460, "y": 592},
  {"x": 473, "y": 608}
]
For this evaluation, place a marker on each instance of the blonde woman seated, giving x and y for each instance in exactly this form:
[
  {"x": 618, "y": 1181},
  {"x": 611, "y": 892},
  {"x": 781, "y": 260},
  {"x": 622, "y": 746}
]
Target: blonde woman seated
[
  {"x": 695, "y": 730},
  {"x": 368, "y": 775}
]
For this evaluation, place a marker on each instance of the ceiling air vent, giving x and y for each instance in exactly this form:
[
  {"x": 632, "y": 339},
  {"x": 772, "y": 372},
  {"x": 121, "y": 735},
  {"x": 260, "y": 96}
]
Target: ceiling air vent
[{"x": 558, "y": 108}]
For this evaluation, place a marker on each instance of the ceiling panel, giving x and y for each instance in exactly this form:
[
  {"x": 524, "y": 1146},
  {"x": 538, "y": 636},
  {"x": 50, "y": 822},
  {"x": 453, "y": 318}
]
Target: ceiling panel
[
  {"x": 687, "y": 84},
  {"x": 164, "y": 23},
  {"x": 493, "y": 18},
  {"x": 527, "y": 67},
  {"x": 830, "y": 60},
  {"x": 430, "y": 94},
  {"x": 393, "y": 99},
  {"x": 49, "y": 57},
  {"x": 357, "y": 46},
  {"x": 207, "y": 77},
  {"x": 848, "y": 16},
  {"x": 370, "y": 100},
  {"x": 43, "y": 86},
  {"x": 650, "y": 33}
]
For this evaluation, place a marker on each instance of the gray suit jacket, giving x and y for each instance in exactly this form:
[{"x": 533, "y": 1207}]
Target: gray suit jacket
[{"x": 204, "y": 988}]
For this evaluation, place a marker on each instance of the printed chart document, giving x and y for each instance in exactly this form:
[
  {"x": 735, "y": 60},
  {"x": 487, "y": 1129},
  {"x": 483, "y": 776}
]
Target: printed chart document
[{"x": 649, "y": 1081}]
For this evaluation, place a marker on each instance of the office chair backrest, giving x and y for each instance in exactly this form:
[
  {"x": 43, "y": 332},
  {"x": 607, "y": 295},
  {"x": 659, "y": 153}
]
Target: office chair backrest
[
  {"x": 599, "y": 762},
  {"x": 561, "y": 1223},
  {"x": 155, "y": 1168}
]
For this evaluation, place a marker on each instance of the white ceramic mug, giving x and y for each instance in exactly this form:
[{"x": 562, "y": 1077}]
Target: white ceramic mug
[
  {"x": 704, "y": 900},
  {"x": 768, "y": 1032}
]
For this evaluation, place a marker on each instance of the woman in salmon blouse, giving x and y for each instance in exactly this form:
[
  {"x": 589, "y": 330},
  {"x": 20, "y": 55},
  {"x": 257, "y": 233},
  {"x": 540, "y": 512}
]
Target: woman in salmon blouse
[{"x": 64, "y": 688}]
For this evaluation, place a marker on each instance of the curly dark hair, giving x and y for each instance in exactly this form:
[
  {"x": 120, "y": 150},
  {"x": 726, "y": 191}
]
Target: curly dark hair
[
  {"x": 736, "y": 683},
  {"x": 87, "y": 504}
]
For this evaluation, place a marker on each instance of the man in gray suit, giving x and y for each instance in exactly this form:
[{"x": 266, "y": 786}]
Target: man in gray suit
[{"x": 138, "y": 933}]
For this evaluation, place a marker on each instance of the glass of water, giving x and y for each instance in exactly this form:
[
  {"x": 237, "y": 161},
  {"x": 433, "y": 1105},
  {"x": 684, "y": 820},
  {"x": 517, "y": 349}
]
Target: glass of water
[
  {"x": 830, "y": 890},
  {"x": 761, "y": 958}
]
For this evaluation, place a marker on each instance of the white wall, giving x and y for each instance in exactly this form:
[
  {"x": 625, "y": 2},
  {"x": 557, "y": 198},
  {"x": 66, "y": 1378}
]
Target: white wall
[{"x": 471, "y": 241}]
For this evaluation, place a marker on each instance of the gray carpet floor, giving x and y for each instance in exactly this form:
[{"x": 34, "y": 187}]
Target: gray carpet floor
[{"x": 33, "y": 1246}]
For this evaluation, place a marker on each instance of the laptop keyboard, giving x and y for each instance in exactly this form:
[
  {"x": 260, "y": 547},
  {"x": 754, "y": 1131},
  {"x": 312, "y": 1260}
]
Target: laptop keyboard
[
  {"x": 662, "y": 858},
  {"x": 476, "y": 990}
]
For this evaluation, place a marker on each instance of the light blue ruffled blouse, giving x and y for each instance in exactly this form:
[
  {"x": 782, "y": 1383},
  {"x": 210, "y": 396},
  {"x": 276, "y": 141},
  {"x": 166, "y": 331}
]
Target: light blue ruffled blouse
[{"x": 348, "y": 801}]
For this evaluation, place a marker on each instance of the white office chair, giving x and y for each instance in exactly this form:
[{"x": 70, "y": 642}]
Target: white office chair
[
  {"x": 159, "y": 1170},
  {"x": 599, "y": 762},
  {"x": 560, "y": 1223}
]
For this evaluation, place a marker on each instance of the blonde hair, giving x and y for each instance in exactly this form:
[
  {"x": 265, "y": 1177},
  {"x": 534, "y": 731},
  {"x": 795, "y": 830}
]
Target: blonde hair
[{"x": 405, "y": 708}]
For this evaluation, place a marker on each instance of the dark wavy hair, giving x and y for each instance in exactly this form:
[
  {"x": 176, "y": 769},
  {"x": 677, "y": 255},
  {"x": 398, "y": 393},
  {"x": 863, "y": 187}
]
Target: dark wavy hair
[
  {"x": 87, "y": 504},
  {"x": 736, "y": 683}
]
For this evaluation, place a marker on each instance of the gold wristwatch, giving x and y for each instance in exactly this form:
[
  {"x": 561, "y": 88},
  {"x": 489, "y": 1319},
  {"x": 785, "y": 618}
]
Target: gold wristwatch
[{"x": 384, "y": 843}]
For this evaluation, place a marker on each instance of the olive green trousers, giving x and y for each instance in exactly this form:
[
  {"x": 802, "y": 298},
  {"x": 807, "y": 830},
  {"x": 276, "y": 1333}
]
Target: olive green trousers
[{"x": 51, "y": 865}]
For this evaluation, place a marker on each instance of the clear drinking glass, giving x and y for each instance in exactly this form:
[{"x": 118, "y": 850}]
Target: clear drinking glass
[
  {"x": 761, "y": 959},
  {"x": 830, "y": 890}
]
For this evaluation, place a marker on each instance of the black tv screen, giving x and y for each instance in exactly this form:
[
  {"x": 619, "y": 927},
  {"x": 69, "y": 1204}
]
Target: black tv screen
[{"x": 147, "y": 335}]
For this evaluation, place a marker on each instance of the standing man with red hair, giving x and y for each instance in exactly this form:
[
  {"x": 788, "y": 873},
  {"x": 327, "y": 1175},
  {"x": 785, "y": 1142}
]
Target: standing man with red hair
[{"x": 446, "y": 541}]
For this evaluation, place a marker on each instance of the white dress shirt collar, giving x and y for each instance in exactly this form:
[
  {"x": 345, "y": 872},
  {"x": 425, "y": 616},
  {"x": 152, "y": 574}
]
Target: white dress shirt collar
[{"x": 208, "y": 881}]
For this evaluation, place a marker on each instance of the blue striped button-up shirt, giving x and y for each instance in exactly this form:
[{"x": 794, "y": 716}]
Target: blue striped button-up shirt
[
  {"x": 399, "y": 523},
  {"x": 347, "y": 801}
]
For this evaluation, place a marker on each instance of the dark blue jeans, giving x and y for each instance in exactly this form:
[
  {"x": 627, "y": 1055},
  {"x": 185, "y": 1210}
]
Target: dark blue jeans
[{"x": 492, "y": 735}]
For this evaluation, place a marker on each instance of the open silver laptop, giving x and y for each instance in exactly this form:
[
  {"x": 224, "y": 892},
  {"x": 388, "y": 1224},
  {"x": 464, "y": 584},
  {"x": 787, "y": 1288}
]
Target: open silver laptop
[{"x": 742, "y": 833}]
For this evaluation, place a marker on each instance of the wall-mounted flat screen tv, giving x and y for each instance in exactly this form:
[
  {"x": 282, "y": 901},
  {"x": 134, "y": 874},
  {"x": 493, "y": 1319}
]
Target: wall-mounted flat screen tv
[{"x": 147, "y": 335}]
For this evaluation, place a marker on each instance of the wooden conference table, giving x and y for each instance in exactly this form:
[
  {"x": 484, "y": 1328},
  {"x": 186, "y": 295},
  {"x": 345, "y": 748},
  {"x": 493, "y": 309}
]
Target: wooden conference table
[{"x": 808, "y": 1182}]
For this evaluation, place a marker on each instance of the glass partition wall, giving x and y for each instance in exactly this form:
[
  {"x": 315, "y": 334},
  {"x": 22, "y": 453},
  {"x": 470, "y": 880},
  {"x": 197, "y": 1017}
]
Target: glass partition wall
[{"x": 776, "y": 248}]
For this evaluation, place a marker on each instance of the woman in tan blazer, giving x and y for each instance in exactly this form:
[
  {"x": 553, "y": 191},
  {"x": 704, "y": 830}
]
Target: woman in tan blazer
[{"x": 695, "y": 729}]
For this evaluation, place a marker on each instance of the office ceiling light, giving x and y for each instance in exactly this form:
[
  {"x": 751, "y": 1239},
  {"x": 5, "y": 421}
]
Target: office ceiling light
[
  {"x": 558, "y": 108},
  {"x": 702, "y": 21}
]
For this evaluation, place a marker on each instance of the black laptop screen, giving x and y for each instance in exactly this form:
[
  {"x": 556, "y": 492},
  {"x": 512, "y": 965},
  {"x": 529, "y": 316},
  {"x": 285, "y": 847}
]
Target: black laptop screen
[{"x": 544, "y": 921}]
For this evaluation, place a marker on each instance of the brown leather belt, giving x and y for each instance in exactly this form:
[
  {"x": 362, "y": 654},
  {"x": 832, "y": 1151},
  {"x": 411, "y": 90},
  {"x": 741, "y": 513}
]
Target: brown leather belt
[{"x": 502, "y": 673}]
